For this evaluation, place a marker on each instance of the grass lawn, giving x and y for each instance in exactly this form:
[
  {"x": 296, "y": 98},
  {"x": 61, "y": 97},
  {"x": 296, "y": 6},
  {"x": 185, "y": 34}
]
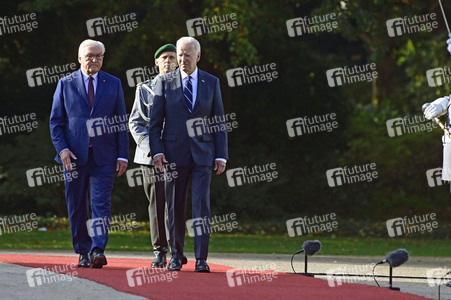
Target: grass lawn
[{"x": 237, "y": 243}]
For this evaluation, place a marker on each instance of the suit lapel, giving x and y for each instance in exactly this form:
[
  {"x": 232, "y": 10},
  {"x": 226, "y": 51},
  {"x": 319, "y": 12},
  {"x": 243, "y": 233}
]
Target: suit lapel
[
  {"x": 178, "y": 81},
  {"x": 200, "y": 88},
  {"x": 101, "y": 83},
  {"x": 81, "y": 86},
  {"x": 177, "y": 85}
]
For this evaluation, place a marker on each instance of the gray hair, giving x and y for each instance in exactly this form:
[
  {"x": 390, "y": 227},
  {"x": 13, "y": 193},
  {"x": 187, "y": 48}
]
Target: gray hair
[
  {"x": 188, "y": 39},
  {"x": 90, "y": 42}
]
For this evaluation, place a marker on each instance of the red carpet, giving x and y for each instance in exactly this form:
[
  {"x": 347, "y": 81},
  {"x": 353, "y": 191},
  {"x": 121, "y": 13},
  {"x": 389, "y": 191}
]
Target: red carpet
[{"x": 190, "y": 285}]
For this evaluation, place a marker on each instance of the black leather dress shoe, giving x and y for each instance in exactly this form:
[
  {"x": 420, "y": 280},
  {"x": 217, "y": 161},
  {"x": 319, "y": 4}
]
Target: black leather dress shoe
[
  {"x": 202, "y": 266},
  {"x": 83, "y": 261},
  {"x": 98, "y": 259},
  {"x": 184, "y": 260},
  {"x": 160, "y": 260},
  {"x": 175, "y": 264}
]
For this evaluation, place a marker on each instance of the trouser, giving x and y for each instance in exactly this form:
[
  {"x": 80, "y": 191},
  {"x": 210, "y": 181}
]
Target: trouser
[
  {"x": 97, "y": 182},
  {"x": 158, "y": 215},
  {"x": 176, "y": 196}
]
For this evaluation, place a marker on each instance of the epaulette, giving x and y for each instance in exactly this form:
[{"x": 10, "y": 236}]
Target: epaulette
[{"x": 141, "y": 83}]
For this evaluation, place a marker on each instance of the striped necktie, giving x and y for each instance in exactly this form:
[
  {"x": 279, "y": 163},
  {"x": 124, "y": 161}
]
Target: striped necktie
[{"x": 188, "y": 93}]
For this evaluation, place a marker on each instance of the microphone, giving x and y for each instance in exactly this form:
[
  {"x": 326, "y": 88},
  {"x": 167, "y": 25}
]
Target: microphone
[
  {"x": 396, "y": 258},
  {"x": 310, "y": 247}
]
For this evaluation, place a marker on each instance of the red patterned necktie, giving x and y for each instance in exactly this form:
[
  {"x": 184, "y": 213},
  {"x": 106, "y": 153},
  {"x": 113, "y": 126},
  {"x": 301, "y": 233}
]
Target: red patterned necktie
[
  {"x": 91, "y": 99},
  {"x": 91, "y": 91}
]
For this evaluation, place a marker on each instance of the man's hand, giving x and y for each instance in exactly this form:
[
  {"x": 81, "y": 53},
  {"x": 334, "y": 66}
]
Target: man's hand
[
  {"x": 219, "y": 166},
  {"x": 66, "y": 157},
  {"x": 432, "y": 111},
  {"x": 121, "y": 166},
  {"x": 158, "y": 161}
]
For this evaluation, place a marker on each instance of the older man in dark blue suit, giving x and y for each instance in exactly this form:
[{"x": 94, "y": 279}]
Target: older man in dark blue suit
[
  {"x": 183, "y": 99},
  {"x": 88, "y": 126}
]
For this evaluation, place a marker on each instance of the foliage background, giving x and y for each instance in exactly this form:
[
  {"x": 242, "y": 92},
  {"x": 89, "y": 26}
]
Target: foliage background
[{"x": 262, "y": 109}]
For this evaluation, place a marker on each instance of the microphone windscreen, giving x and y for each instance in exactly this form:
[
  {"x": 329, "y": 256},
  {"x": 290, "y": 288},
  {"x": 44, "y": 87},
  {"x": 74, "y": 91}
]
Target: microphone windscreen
[
  {"x": 311, "y": 247},
  {"x": 397, "y": 257}
]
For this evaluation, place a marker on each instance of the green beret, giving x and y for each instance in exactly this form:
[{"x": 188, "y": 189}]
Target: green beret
[{"x": 165, "y": 48}]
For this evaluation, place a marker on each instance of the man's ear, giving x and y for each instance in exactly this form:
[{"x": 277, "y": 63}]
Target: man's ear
[{"x": 198, "y": 56}]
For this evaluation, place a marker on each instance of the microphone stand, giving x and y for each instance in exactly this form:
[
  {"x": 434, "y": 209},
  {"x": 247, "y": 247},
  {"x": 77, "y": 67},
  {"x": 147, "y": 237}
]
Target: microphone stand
[
  {"x": 305, "y": 268},
  {"x": 390, "y": 286}
]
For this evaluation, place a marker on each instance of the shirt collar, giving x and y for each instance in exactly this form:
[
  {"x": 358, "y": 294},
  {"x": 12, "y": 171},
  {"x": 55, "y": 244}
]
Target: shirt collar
[
  {"x": 193, "y": 75},
  {"x": 86, "y": 76}
]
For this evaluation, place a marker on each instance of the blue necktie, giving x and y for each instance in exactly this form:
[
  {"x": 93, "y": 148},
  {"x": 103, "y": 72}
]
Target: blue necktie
[{"x": 188, "y": 92}]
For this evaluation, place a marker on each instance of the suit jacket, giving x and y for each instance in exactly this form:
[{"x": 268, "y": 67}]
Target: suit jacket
[
  {"x": 169, "y": 107},
  {"x": 139, "y": 121},
  {"x": 71, "y": 116}
]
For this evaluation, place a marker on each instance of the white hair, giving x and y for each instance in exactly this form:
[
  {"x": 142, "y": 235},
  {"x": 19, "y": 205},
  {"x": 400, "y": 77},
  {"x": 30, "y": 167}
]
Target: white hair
[
  {"x": 189, "y": 39},
  {"x": 90, "y": 42}
]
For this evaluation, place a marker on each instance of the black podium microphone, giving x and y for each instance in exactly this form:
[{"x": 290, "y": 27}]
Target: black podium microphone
[
  {"x": 394, "y": 259},
  {"x": 309, "y": 248}
]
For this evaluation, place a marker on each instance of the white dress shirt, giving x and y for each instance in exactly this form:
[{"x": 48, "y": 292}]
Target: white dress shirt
[
  {"x": 194, "y": 80},
  {"x": 86, "y": 81}
]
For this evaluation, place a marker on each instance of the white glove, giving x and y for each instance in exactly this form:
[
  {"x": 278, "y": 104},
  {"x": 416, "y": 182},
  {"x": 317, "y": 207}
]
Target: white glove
[
  {"x": 432, "y": 110},
  {"x": 437, "y": 108},
  {"x": 448, "y": 41}
]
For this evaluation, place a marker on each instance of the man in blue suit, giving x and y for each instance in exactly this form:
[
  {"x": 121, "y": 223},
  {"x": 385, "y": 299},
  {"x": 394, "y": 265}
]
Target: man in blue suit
[
  {"x": 88, "y": 127},
  {"x": 184, "y": 99},
  {"x": 166, "y": 60}
]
